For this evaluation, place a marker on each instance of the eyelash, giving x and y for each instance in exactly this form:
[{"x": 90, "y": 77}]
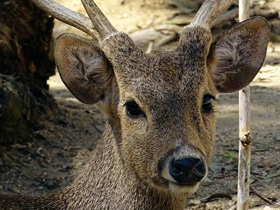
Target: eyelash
[
  {"x": 207, "y": 106},
  {"x": 133, "y": 110}
]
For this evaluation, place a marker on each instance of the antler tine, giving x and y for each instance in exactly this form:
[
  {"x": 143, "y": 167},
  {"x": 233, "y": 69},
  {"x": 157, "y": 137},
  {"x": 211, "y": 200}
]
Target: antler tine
[
  {"x": 99, "y": 20},
  {"x": 67, "y": 16},
  {"x": 209, "y": 11}
]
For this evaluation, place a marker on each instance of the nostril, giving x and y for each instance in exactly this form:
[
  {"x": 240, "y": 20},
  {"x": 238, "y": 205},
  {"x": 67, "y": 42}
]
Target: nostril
[
  {"x": 187, "y": 170},
  {"x": 201, "y": 170},
  {"x": 185, "y": 165}
]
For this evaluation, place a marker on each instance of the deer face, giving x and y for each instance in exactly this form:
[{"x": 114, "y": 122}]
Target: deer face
[
  {"x": 167, "y": 131},
  {"x": 161, "y": 107},
  {"x": 165, "y": 109}
]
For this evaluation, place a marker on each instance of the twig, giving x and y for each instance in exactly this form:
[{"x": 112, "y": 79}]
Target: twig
[
  {"x": 165, "y": 40},
  {"x": 215, "y": 196},
  {"x": 227, "y": 16},
  {"x": 270, "y": 176},
  {"x": 231, "y": 15},
  {"x": 233, "y": 207},
  {"x": 260, "y": 196},
  {"x": 98, "y": 128}
]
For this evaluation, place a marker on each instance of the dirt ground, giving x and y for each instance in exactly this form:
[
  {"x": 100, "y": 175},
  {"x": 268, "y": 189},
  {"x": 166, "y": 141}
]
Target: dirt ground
[{"x": 56, "y": 153}]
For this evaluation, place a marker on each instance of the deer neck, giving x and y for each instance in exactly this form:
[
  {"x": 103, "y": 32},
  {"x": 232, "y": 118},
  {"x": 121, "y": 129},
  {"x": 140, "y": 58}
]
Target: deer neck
[{"x": 108, "y": 184}]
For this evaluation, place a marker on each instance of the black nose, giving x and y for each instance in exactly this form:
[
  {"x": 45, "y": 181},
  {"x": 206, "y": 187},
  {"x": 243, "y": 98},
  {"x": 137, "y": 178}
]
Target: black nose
[{"x": 187, "y": 171}]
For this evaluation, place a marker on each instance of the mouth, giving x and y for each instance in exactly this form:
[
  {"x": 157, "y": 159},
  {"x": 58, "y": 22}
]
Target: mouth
[
  {"x": 164, "y": 183},
  {"x": 187, "y": 184}
]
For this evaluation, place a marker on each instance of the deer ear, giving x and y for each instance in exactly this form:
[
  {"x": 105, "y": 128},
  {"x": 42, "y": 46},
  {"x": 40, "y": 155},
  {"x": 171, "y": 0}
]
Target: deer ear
[
  {"x": 237, "y": 55},
  {"x": 83, "y": 67}
]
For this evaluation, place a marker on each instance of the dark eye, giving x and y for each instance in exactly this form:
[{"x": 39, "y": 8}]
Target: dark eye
[
  {"x": 133, "y": 110},
  {"x": 207, "y": 104}
]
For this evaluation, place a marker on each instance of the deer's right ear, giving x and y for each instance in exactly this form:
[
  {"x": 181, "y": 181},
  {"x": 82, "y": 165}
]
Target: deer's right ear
[{"x": 83, "y": 67}]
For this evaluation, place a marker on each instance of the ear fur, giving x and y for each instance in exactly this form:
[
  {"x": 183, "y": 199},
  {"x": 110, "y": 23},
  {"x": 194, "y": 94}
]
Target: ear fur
[
  {"x": 83, "y": 67},
  {"x": 237, "y": 55}
]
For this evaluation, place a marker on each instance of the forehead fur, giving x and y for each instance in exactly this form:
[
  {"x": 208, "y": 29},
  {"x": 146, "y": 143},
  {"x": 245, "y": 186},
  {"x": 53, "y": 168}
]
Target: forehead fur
[{"x": 179, "y": 70}]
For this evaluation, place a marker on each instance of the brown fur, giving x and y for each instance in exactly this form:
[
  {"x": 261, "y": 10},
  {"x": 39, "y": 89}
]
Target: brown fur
[{"x": 169, "y": 88}]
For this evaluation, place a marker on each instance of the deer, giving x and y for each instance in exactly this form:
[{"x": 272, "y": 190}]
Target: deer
[{"x": 159, "y": 107}]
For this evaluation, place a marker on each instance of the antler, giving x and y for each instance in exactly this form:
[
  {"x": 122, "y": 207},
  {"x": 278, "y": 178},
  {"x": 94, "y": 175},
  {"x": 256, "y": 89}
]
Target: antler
[
  {"x": 99, "y": 20},
  {"x": 209, "y": 11},
  {"x": 98, "y": 26}
]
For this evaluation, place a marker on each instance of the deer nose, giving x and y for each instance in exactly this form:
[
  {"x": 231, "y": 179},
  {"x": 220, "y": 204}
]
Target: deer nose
[{"x": 187, "y": 171}]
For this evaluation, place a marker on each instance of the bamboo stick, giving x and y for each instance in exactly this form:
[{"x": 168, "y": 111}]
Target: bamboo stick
[{"x": 244, "y": 132}]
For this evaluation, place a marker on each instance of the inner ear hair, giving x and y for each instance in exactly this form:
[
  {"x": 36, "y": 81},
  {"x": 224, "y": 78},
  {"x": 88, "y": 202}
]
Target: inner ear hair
[
  {"x": 83, "y": 67},
  {"x": 238, "y": 54}
]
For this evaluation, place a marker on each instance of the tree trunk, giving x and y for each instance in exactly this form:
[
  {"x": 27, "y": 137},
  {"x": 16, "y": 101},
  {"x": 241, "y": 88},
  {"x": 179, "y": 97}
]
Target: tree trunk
[{"x": 26, "y": 63}]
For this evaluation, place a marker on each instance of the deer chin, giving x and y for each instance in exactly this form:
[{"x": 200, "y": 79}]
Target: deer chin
[
  {"x": 166, "y": 185},
  {"x": 184, "y": 189}
]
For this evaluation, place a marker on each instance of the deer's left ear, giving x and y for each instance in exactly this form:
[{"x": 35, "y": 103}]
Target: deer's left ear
[{"x": 237, "y": 55}]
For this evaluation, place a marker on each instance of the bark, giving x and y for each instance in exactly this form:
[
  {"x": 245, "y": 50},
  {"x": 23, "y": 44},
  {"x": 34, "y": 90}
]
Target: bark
[{"x": 26, "y": 63}]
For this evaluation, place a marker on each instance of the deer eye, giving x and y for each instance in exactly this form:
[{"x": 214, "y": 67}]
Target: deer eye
[
  {"x": 133, "y": 110},
  {"x": 207, "y": 103}
]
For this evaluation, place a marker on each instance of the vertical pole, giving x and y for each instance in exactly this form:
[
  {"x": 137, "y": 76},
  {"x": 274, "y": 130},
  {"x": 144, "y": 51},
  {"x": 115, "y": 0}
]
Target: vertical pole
[{"x": 244, "y": 132}]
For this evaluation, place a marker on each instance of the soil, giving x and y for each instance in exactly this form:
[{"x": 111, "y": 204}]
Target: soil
[{"x": 56, "y": 153}]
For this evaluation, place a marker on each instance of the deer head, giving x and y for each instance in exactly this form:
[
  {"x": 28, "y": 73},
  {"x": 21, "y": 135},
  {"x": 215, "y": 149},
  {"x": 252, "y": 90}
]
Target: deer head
[{"x": 160, "y": 106}]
